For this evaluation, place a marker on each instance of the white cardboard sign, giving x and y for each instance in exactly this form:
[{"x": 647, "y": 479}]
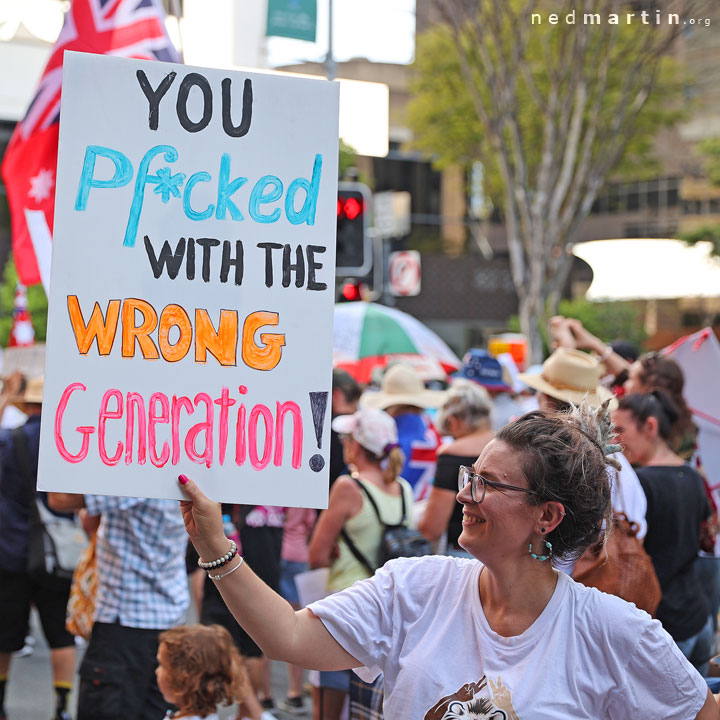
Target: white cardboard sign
[{"x": 191, "y": 296}]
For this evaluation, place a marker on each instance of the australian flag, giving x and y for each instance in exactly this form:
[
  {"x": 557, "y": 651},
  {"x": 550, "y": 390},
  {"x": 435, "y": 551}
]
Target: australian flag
[{"x": 126, "y": 28}]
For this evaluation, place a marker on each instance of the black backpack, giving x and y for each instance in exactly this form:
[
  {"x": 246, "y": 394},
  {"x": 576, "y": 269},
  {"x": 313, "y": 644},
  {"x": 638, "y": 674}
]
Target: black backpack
[{"x": 396, "y": 541}]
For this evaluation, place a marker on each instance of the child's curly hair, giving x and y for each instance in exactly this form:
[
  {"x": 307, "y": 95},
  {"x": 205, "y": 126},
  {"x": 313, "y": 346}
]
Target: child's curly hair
[{"x": 206, "y": 668}]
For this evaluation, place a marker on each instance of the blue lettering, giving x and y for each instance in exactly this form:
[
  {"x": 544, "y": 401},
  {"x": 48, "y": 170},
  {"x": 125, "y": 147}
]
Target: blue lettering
[
  {"x": 258, "y": 197},
  {"x": 122, "y": 176},
  {"x": 226, "y": 189},
  {"x": 171, "y": 155},
  {"x": 307, "y": 211},
  {"x": 189, "y": 212}
]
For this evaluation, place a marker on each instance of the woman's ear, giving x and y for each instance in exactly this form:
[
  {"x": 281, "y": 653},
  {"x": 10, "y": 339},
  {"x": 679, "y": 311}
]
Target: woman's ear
[
  {"x": 651, "y": 427},
  {"x": 551, "y": 516}
]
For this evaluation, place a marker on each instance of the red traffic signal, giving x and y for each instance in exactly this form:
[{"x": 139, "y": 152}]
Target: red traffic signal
[
  {"x": 351, "y": 292},
  {"x": 350, "y": 206}
]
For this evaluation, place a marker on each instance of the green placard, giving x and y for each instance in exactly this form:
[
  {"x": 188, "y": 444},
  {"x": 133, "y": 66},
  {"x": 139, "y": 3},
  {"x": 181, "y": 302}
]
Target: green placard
[{"x": 292, "y": 19}]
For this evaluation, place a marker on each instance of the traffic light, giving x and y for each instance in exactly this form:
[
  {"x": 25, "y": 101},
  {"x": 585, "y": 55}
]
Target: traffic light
[
  {"x": 352, "y": 291},
  {"x": 354, "y": 249}
]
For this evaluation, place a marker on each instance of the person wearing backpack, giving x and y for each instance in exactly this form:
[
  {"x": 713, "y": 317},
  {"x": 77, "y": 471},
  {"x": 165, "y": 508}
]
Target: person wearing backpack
[{"x": 371, "y": 451}]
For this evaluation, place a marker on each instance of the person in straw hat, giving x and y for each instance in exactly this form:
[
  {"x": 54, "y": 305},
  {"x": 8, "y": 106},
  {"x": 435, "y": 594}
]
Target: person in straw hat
[
  {"x": 570, "y": 377},
  {"x": 19, "y": 590},
  {"x": 403, "y": 395}
]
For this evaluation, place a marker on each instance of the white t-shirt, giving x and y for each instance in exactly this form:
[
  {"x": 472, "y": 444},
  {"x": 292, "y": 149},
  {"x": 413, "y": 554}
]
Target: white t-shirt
[
  {"x": 627, "y": 493},
  {"x": 588, "y": 655}
]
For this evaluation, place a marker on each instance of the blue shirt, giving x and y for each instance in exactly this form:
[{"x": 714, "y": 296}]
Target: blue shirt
[{"x": 142, "y": 581}]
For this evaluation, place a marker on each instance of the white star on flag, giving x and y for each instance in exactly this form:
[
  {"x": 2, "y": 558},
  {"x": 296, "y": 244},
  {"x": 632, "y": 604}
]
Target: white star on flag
[{"x": 41, "y": 185}]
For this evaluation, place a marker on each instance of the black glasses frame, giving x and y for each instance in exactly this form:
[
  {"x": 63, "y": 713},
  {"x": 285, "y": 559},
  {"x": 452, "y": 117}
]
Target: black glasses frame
[{"x": 479, "y": 484}]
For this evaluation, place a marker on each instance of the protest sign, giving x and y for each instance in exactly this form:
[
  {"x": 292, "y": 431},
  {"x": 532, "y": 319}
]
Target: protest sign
[{"x": 191, "y": 296}]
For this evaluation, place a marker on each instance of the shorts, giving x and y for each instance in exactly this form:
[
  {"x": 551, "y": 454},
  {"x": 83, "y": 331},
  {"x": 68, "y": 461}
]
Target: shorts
[
  {"x": 335, "y": 680},
  {"x": 117, "y": 675},
  {"x": 288, "y": 570},
  {"x": 18, "y": 593}
]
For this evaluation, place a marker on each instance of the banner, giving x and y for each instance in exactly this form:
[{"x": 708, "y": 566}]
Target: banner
[
  {"x": 191, "y": 298},
  {"x": 292, "y": 19}
]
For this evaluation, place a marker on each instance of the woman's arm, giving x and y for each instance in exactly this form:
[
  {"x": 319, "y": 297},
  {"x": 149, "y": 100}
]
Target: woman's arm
[
  {"x": 282, "y": 634},
  {"x": 438, "y": 512},
  {"x": 345, "y": 501},
  {"x": 709, "y": 710}
]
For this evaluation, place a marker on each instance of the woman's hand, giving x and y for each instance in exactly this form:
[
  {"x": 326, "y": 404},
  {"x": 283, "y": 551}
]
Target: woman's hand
[{"x": 203, "y": 521}]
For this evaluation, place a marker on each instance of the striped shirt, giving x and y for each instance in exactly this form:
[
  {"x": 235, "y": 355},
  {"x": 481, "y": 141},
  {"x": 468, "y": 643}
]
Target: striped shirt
[{"x": 142, "y": 581}]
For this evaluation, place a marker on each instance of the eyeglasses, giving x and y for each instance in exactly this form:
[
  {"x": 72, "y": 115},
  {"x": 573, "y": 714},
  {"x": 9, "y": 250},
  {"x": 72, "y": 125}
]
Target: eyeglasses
[{"x": 479, "y": 484}]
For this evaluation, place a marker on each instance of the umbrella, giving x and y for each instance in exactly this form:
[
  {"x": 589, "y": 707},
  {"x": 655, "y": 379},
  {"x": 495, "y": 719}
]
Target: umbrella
[{"x": 368, "y": 335}]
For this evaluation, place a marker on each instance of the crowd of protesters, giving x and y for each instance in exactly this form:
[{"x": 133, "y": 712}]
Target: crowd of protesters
[{"x": 513, "y": 479}]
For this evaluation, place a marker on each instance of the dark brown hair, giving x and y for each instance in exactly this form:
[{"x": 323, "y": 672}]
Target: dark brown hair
[
  {"x": 663, "y": 373},
  {"x": 655, "y": 404},
  {"x": 205, "y": 668},
  {"x": 564, "y": 459}
]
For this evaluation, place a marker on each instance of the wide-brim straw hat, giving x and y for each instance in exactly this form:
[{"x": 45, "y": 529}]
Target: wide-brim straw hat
[
  {"x": 571, "y": 376},
  {"x": 31, "y": 393},
  {"x": 402, "y": 385}
]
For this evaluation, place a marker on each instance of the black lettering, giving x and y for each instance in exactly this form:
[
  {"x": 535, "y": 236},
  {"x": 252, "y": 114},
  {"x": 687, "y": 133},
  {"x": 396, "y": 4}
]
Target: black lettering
[
  {"x": 313, "y": 266},
  {"x": 154, "y": 96},
  {"x": 246, "y": 118},
  {"x": 298, "y": 268},
  {"x": 171, "y": 261},
  {"x": 206, "y": 244},
  {"x": 190, "y": 81},
  {"x": 190, "y": 262},
  {"x": 269, "y": 247},
  {"x": 227, "y": 261}
]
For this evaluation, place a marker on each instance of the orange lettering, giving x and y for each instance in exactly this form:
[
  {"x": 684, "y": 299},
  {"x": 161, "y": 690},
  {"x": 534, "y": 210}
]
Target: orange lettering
[
  {"x": 266, "y": 356},
  {"x": 221, "y": 344},
  {"x": 174, "y": 315},
  {"x": 131, "y": 332},
  {"x": 98, "y": 328}
]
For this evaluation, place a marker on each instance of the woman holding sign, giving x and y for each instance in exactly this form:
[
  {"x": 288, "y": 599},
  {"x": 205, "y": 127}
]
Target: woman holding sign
[{"x": 502, "y": 635}]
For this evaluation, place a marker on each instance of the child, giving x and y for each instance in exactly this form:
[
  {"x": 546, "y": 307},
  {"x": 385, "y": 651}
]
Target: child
[{"x": 199, "y": 668}]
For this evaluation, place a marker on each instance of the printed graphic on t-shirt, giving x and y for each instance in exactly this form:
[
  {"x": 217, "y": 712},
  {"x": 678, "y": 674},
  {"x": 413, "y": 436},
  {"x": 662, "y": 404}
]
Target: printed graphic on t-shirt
[{"x": 475, "y": 701}]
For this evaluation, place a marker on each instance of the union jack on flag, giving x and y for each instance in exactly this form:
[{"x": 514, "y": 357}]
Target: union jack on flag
[{"x": 126, "y": 28}]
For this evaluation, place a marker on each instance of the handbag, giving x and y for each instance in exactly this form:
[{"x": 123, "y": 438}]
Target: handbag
[
  {"x": 619, "y": 565},
  {"x": 396, "y": 541},
  {"x": 55, "y": 543},
  {"x": 80, "y": 613}
]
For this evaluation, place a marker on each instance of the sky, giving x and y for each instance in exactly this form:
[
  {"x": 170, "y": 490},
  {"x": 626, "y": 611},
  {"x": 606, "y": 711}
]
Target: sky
[{"x": 381, "y": 30}]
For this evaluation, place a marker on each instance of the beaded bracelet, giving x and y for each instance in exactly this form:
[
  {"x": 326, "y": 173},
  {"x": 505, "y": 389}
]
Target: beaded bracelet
[{"x": 224, "y": 560}]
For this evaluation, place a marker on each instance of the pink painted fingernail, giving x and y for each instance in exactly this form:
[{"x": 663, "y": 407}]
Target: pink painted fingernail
[{"x": 183, "y": 479}]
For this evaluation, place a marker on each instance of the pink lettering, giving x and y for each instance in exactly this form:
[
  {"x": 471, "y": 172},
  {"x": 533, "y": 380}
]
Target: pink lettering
[
  {"x": 85, "y": 430},
  {"x": 258, "y": 410},
  {"x": 106, "y": 415},
  {"x": 294, "y": 409},
  {"x": 154, "y": 419}
]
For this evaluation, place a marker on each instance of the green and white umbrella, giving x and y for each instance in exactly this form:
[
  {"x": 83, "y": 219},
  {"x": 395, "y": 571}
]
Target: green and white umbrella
[{"x": 368, "y": 335}]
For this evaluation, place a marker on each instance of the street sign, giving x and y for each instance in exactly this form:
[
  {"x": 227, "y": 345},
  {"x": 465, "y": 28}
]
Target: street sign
[
  {"x": 292, "y": 19},
  {"x": 391, "y": 213},
  {"x": 404, "y": 273}
]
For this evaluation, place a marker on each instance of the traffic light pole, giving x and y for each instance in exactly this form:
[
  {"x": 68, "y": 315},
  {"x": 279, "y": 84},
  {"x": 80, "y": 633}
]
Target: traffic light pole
[{"x": 330, "y": 66}]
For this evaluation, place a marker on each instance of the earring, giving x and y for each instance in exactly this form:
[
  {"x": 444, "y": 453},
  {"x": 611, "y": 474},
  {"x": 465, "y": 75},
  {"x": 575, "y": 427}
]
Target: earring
[
  {"x": 541, "y": 558},
  {"x": 543, "y": 530}
]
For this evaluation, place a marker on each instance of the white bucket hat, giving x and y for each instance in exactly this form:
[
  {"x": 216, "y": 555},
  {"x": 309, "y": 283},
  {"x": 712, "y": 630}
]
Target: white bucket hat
[{"x": 402, "y": 385}]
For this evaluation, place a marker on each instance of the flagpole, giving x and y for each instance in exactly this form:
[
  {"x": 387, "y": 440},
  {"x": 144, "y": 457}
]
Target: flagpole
[{"x": 177, "y": 12}]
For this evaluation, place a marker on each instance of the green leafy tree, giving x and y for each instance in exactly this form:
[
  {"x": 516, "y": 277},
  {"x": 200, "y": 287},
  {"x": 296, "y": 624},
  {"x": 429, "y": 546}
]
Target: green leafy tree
[
  {"x": 37, "y": 305},
  {"x": 608, "y": 320},
  {"x": 550, "y": 110},
  {"x": 710, "y": 149}
]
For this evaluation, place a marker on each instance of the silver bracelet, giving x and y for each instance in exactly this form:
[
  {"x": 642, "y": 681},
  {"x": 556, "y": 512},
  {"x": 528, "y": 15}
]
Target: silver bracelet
[
  {"x": 608, "y": 352},
  {"x": 224, "y": 560},
  {"x": 229, "y": 572}
]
